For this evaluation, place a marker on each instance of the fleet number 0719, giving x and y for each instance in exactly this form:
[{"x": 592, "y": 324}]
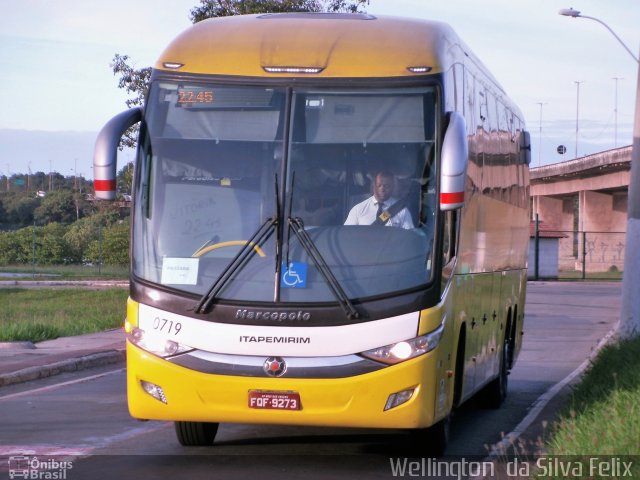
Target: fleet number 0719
[{"x": 167, "y": 326}]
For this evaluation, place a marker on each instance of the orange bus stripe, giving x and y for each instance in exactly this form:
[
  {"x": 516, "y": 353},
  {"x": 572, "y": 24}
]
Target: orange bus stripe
[
  {"x": 453, "y": 197},
  {"x": 104, "y": 185}
]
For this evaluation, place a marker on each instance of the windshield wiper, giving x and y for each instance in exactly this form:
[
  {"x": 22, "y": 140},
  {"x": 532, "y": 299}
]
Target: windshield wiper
[
  {"x": 307, "y": 243},
  {"x": 297, "y": 225},
  {"x": 258, "y": 238},
  {"x": 238, "y": 262}
]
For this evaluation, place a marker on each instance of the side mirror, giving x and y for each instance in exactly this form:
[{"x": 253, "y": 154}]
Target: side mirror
[
  {"x": 525, "y": 147},
  {"x": 105, "y": 153},
  {"x": 455, "y": 158}
]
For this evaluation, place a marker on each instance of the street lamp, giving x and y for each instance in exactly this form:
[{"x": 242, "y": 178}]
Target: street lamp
[
  {"x": 570, "y": 12},
  {"x": 630, "y": 310}
]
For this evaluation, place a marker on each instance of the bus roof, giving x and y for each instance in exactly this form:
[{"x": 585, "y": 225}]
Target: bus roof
[{"x": 332, "y": 45}]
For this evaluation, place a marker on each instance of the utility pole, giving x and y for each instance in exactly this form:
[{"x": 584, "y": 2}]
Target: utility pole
[
  {"x": 540, "y": 139},
  {"x": 577, "y": 112},
  {"x": 630, "y": 311},
  {"x": 615, "y": 114}
]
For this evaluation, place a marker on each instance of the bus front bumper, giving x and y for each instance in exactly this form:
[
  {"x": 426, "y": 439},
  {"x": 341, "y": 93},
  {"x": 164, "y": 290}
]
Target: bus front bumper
[{"x": 182, "y": 394}]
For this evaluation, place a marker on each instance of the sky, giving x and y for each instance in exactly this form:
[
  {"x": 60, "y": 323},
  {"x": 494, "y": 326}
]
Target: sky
[{"x": 57, "y": 88}]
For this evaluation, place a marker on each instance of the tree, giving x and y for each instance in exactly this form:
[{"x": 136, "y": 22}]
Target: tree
[
  {"x": 56, "y": 207},
  {"x": 113, "y": 248},
  {"x": 3, "y": 213},
  {"x": 125, "y": 178},
  {"x": 51, "y": 248},
  {"x": 82, "y": 234},
  {"x": 11, "y": 250},
  {"x": 79, "y": 236},
  {"x": 227, "y": 8},
  {"x": 61, "y": 206},
  {"x": 19, "y": 208},
  {"x": 136, "y": 81}
]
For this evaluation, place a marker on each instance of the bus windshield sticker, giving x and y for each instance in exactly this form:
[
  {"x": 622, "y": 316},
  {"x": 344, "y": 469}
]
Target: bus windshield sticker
[
  {"x": 179, "y": 271},
  {"x": 294, "y": 276}
]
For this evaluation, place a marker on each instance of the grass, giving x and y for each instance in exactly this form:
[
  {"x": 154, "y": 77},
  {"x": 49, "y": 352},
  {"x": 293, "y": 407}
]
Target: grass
[
  {"x": 603, "y": 415},
  {"x": 42, "y": 314},
  {"x": 577, "y": 275}
]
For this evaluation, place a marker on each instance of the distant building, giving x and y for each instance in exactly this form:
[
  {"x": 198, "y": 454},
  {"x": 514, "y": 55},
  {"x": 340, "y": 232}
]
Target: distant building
[
  {"x": 586, "y": 199},
  {"x": 548, "y": 251}
]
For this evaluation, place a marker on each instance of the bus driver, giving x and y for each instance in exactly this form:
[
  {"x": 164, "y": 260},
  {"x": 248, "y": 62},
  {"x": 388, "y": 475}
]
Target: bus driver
[{"x": 381, "y": 208}]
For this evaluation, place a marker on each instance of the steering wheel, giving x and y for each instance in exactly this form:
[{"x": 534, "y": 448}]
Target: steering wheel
[{"x": 232, "y": 243}]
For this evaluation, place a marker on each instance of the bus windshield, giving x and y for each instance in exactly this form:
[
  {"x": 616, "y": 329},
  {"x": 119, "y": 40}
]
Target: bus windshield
[{"x": 353, "y": 168}]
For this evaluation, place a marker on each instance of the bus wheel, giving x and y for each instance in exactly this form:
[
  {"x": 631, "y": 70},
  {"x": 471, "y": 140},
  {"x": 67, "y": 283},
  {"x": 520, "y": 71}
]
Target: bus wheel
[
  {"x": 196, "y": 434},
  {"x": 495, "y": 393},
  {"x": 432, "y": 441}
]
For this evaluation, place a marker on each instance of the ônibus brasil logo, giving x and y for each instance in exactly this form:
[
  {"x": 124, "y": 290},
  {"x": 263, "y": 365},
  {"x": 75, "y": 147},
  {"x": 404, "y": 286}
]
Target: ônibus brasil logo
[{"x": 23, "y": 466}]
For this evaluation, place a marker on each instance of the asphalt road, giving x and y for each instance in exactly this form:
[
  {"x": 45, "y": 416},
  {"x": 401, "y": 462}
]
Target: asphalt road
[{"x": 82, "y": 418}]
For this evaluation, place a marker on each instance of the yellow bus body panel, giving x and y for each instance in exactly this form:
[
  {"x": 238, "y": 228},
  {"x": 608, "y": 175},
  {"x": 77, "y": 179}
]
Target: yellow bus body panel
[
  {"x": 243, "y": 45},
  {"x": 357, "y": 401}
]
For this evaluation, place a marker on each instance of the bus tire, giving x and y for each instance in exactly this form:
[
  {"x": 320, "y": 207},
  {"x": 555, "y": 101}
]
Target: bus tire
[
  {"x": 196, "y": 434},
  {"x": 495, "y": 392},
  {"x": 432, "y": 441}
]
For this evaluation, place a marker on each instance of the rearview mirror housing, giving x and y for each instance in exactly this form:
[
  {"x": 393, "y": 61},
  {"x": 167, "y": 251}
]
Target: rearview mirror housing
[{"x": 455, "y": 158}]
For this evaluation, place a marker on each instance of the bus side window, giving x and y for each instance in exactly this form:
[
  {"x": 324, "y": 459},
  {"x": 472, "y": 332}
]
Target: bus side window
[
  {"x": 429, "y": 205},
  {"x": 450, "y": 237}
]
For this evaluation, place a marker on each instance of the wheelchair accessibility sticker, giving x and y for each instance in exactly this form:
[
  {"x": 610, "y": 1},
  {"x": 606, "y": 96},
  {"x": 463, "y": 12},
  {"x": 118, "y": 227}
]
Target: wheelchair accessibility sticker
[{"x": 294, "y": 276}]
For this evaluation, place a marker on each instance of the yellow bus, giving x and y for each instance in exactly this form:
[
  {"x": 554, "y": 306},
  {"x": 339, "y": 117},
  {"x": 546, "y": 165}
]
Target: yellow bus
[{"x": 329, "y": 227}]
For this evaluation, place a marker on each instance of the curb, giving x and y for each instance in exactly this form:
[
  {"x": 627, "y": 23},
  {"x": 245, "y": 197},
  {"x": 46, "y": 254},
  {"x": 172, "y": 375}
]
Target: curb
[
  {"x": 21, "y": 345},
  {"x": 65, "y": 283},
  {"x": 502, "y": 448},
  {"x": 71, "y": 365}
]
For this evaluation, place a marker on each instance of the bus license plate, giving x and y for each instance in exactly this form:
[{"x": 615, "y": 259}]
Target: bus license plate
[{"x": 268, "y": 400}]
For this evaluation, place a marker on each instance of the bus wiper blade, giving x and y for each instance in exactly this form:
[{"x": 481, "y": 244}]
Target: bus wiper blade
[
  {"x": 296, "y": 224},
  {"x": 240, "y": 260}
]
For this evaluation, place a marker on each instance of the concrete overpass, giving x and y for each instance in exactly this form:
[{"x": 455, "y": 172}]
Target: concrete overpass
[{"x": 587, "y": 199}]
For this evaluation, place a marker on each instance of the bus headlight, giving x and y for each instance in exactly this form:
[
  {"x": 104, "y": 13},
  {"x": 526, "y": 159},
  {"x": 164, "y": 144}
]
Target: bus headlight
[
  {"x": 407, "y": 349},
  {"x": 156, "y": 344}
]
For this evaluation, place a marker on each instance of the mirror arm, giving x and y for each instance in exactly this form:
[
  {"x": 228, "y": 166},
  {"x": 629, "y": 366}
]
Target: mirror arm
[{"x": 106, "y": 152}]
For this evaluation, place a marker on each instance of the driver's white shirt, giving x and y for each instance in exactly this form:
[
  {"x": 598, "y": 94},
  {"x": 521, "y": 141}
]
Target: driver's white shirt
[{"x": 364, "y": 213}]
